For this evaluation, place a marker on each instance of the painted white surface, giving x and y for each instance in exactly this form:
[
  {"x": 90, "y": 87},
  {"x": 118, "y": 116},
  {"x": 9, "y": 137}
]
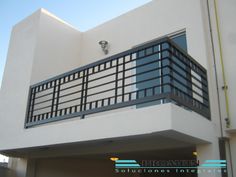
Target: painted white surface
[
  {"x": 43, "y": 46},
  {"x": 207, "y": 152},
  {"x": 55, "y": 48},
  {"x": 59, "y": 48},
  {"x": 227, "y": 27},
  {"x": 126, "y": 123},
  {"x": 38, "y": 48},
  {"x": 16, "y": 80},
  {"x": 227, "y": 13},
  {"x": 146, "y": 23}
]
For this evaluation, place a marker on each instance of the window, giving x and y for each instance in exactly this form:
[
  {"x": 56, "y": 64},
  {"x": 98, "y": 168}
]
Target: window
[
  {"x": 180, "y": 40},
  {"x": 178, "y": 65},
  {"x": 148, "y": 70}
]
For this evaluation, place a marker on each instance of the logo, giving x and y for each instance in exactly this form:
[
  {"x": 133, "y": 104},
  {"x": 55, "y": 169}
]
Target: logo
[
  {"x": 169, "y": 166},
  {"x": 126, "y": 164},
  {"x": 214, "y": 164}
]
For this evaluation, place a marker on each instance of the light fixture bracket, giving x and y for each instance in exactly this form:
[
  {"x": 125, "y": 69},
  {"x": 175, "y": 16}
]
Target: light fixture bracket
[{"x": 104, "y": 46}]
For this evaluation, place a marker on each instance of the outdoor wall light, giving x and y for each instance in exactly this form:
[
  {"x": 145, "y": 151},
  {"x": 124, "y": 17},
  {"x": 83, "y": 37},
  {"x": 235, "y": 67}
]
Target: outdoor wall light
[
  {"x": 114, "y": 159},
  {"x": 104, "y": 46},
  {"x": 195, "y": 153}
]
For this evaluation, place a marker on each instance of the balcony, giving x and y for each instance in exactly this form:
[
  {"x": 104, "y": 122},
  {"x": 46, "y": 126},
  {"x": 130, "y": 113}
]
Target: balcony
[{"x": 158, "y": 72}]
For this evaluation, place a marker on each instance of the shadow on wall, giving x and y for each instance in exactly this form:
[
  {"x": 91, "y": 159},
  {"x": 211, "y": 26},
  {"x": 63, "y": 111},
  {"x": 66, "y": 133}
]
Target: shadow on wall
[{"x": 6, "y": 172}]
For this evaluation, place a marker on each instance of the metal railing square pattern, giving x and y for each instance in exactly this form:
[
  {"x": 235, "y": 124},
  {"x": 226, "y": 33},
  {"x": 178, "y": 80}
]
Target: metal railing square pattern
[{"x": 154, "y": 73}]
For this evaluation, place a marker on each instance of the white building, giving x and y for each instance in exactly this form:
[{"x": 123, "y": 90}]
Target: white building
[{"x": 165, "y": 90}]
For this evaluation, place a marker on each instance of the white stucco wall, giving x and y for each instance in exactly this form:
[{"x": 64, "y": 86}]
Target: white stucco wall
[
  {"x": 41, "y": 46},
  {"x": 227, "y": 27},
  {"x": 59, "y": 48},
  {"x": 227, "y": 14},
  {"x": 16, "y": 78},
  {"x": 151, "y": 21}
]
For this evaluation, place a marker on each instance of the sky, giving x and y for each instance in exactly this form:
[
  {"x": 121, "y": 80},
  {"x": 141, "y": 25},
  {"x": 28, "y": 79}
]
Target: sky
[{"x": 82, "y": 14}]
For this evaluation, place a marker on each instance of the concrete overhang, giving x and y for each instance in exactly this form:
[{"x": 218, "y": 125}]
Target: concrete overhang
[{"x": 155, "y": 127}]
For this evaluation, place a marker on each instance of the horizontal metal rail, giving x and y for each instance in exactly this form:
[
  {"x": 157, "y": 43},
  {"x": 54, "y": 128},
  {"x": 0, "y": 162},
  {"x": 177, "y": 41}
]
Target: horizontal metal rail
[{"x": 154, "y": 73}]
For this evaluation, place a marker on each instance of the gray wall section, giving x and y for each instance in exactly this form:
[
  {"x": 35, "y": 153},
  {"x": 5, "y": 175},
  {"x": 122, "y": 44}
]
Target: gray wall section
[
  {"x": 73, "y": 167},
  {"x": 6, "y": 172}
]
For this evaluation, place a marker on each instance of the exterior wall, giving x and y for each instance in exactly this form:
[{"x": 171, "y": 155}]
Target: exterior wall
[
  {"x": 59, "y": 48},
  {"x": 206, "y": 152},
  {"x": 226, "y": 12},
  {"x": 76, "y": 167},
  {"x": 146, "y": 23},
  {"x": 61, "y": 167},
  {"x": 152, "y": 21},
  {"x": 44, "y": 43},
  {"x": 18, "y": 167},
  {"x": 232, "y": 147},
  {"x": 119, "y": 124},
  {"x": 6, "y": 172},
  {"x": 39, "y": 43},
  {"x": 16, "y": 79}
]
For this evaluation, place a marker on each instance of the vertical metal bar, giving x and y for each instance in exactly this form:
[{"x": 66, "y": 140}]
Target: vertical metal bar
[
  {"x": 171, "y": 69},
  {"x": 109, "y": 101},
  {"x": 53, "y": 97},
  {"x": 33, "y": 100},
  {"x": 82, "y": 93},
  {"x": 161, "y": 72},
  {"x": 208, "y": 104},
  {"x": 57, "y": 96},
  {"x": 86, "y": 87},
  {"x": 28, "y": 116},
  {"x": 70, "y": 110},
  {"x": 28, "y": 110},
  {"x": 116, "y": 80},
  {"x": 189, "y": 77},
  {"x": 123, "y": 79}
]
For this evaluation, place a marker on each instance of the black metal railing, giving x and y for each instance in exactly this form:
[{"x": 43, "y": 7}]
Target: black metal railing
[{"x": 154, "y": 73}]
